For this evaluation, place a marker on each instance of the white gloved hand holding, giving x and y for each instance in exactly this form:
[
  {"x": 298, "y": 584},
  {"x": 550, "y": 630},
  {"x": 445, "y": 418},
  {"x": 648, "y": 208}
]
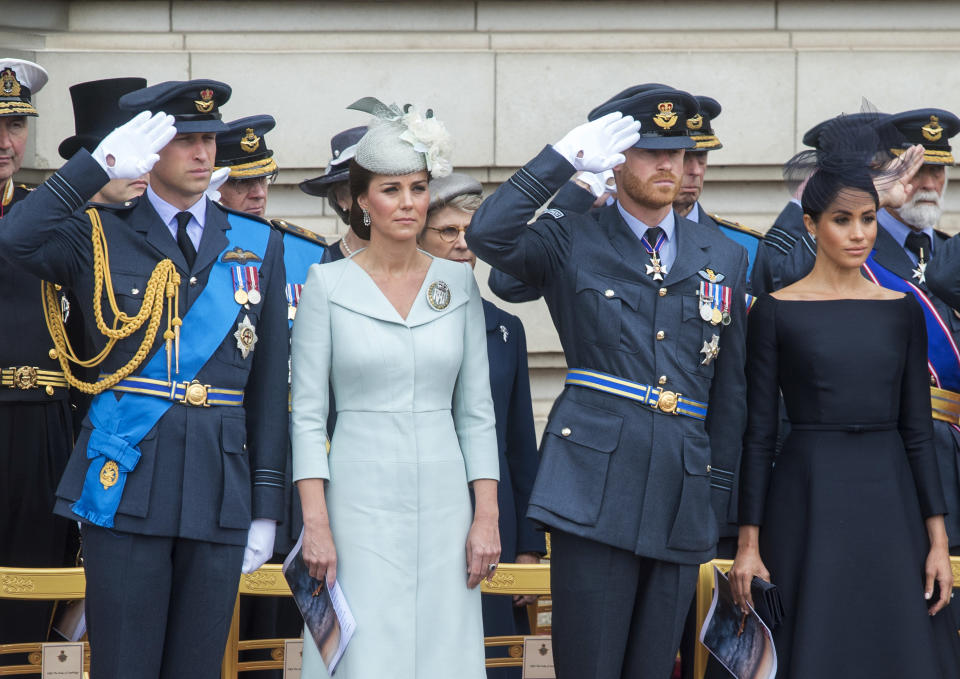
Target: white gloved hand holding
[
  {"x": 599, "y": 145},
  {"x": 598, "y": 183},
  {"x": 259, "y": 547},
  {"x": 217, "y": 179},
  {"x": 130, "y": 151}
]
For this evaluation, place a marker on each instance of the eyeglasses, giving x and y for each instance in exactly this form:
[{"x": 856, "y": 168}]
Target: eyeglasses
[
  {"x": 449, "y": 233},
  {"x": 246, "y": 184}
]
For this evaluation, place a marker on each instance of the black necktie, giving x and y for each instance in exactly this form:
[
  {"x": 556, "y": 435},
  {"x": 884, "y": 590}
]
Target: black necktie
[
  {"x": 919, "y": 244},
  {"x": 653, "y": 235},
  {"x": 183, "y": 240}
]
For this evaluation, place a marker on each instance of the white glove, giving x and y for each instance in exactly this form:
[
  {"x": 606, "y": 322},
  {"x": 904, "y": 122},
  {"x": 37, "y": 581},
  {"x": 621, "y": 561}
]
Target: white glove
[
  {"x": 130, "y": 151},
  {"x": 599, "y": 183},
  {"x": 599, "y": 145},
  {"x": 259, "y": 547},
  {"x": 217, "y": 179}
]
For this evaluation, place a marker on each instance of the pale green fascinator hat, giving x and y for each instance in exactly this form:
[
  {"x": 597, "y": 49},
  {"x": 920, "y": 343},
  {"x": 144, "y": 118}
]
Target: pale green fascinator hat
[{"x": 401, "y": 141}]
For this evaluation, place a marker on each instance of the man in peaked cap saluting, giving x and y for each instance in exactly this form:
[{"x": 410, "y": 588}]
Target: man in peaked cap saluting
[
  {"x": 177, "y": 475},
  {"x": 639, "y": 455},
  {"x": 36, "y": 429}
]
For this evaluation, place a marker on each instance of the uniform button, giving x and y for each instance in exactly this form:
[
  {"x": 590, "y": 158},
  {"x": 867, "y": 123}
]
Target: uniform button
[
  {"x": 662, "y": 292},
  {"x": 660, "y": 334},
  {"x": 663, "y": 379},
  {"x": 58, "y": 287},
  {"x": 565, "y": 431},
  {"x": 53, "y": 354},
  {"x": 135, "y": 291},
  {"x": 49, "y": 390},
  {"x": 193, "y": 280},
  {"x": 609, "y": 293},
  {"x": 128, "y": 203},
  {"x": 244, "y": 446}
]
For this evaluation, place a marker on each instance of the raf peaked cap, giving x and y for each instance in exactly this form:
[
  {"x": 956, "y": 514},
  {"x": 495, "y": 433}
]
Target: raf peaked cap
[
  {"x": 343, "y": 147},
  {"x": 662, "y": 113},
  {"x": 19, "y": 81},
  {"x": 930, "y": 127},
  {"x": 625, "y": 94},
  {"x": 243, "y": 147},
  {"x": 96, "y": 112},
  {"x": 445, "y": 189},
  {"x": 701, "y": 124},
  {"x": 194, "y": 104}
]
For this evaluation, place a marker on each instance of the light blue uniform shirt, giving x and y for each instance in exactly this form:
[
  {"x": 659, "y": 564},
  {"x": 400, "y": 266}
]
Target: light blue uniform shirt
[
  {"x": 668, "y": 251},
  {"x": 900, "y": 231},
  {"x": 168, "y": 213}
]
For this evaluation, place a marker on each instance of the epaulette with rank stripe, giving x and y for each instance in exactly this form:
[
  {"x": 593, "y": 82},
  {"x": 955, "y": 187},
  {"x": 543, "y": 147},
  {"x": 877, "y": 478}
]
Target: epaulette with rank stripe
[
  {"x": 735, "y": 225},
  {"x": 299, "y": 231}
]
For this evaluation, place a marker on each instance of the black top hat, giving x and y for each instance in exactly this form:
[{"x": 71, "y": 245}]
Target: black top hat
[
  {"x": 243, "y": 147},
  {"x": 338, "y": 169},
  {"x": 662, "y": 113},
  {"x": 19, "y": 80},
  {"x": 930, "y": 127},
  {"x": 96, "y": 113},
  {"x": 194, "y": 104},
  {"x": 701, "y": 125}
]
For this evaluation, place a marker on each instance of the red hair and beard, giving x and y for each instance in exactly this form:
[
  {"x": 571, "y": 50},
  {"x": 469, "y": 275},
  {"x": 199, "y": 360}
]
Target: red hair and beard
[{"x": 649, "y": 193}]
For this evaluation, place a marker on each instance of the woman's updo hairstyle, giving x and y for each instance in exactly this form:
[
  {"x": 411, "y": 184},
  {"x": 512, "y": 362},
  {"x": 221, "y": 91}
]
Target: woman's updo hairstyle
[
  {"x": 852, "y": 152},
  {"x": 398, "y": 142}
]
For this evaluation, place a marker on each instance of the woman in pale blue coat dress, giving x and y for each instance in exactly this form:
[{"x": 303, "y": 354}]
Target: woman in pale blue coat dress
[{"x": 400, "y": 337}]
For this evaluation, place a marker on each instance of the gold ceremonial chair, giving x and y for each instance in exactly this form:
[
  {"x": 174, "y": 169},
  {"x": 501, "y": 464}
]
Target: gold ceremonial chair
[
  {"x": 269, "y": 581},
  {"x": 704, "y": 598},
  {"x": 43, "y": 584}
]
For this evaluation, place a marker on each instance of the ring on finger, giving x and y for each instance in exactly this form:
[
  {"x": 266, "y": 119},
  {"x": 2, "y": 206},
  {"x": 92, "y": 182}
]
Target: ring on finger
[{"x": 492, "y": 567}]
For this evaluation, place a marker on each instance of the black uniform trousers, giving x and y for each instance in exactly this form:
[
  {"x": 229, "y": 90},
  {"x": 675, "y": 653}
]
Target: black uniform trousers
[
  {"x": 35, "y": 442},
  {"x": 616, "y": 615},
  {"x": 146, "y": 594}
]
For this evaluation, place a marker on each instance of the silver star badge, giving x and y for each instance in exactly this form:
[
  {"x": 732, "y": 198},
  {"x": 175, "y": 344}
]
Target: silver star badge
[
  {"x": 920, "y": 273},
  {"x": 710, "y": 350},
  {"x": 655, "y": 269},
  {"x": 246, "y": 336}
]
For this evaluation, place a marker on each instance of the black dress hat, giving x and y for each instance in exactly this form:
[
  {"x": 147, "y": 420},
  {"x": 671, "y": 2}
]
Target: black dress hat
[
  {"x": 822, "y": 135},
  {"x": 194, "y": 104},
  {"x": 662, "y": 113},
  {"x": 96, "y": 113},
  {"x": 19, "y": 80},
  {"x": 342, "y": 148},
  {"x": 930, "y": 127},
  {"x": 243, "y": 147},
  {"x": 701, "y": 125},
  {"x": 624, "y": 94}
]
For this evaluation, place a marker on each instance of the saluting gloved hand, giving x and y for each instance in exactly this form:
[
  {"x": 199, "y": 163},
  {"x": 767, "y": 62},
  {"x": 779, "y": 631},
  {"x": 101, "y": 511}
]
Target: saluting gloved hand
[
  {"x": 130, "y": 151},
  {"x": 599, "y": 145},
  {"x": 599, "y": 183},
  {"x": 259, "y": 547},
  {"x": 217, "y": 179}
]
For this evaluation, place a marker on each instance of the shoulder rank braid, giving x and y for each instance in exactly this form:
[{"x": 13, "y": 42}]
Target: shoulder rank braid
[{"x": 164, "y": 283}]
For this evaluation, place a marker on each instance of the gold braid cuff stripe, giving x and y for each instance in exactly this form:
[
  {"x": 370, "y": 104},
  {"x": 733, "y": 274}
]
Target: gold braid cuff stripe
[{"x": 256, "y": 168}]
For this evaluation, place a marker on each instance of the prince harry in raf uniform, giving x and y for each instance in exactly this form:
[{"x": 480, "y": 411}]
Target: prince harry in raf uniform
[{"x": 639, "y": 455}]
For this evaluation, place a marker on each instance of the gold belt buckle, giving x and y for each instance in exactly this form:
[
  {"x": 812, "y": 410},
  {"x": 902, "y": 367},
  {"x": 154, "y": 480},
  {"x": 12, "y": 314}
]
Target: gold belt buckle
[
  {"x": 195, "y": 394},
  {"x": 25, "y": 377},
  {"x": 667, "y": 402}
]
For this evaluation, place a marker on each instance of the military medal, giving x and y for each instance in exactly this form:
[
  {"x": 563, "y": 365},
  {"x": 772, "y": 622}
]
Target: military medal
[
  {"x": 246, "y": 284},
  {"x": 246, "y": 336},
  {"x": 109, "y": 474},
  {"x": 710, "y": 350},
  {"x": 655, "y": 269},
  {"x": 438, "y": 295},
  {"x": 294, "y": 290},
  {"x": 920, "y": 273}
]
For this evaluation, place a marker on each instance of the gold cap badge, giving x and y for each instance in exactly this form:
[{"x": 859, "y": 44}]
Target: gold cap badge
[
  {"x": 205, "y": 103},
  {"x": 695, "y": 123},
  {"x": 250, "y": 142},
  {"x": 666, "y": 118},
  {"x": 932, "y": 131},
  {"x": 9, "y": 83}
]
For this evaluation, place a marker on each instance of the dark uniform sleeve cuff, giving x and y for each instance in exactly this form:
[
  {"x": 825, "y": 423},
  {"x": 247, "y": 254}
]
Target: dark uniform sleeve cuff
[
  {"x": 541, "y": 177},
  {"x": 77, "y": 181},
  {"x": 268, "y": 489}
]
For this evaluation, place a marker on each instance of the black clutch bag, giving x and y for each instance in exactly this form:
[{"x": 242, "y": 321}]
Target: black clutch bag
[{"x": 766, "y": 602}]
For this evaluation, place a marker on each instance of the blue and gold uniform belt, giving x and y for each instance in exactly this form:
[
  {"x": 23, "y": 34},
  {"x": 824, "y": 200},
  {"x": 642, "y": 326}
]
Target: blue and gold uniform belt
[
  {"x": 188, "y": 393},
  {"x": 665, "y": 401}
]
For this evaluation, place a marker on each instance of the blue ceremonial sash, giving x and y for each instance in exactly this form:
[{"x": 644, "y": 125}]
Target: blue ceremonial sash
[
  {"x": 298, "y": 255},
  {"x": 118, "y": 426},
  {"x": 943, "y": 357},
  {"x": 749, "y": 242}
]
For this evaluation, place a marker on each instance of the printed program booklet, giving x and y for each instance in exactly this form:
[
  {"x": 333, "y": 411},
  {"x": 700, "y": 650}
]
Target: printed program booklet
[
  {"x": 324, "y": 609},
  {"x": 740, "y": 641}
]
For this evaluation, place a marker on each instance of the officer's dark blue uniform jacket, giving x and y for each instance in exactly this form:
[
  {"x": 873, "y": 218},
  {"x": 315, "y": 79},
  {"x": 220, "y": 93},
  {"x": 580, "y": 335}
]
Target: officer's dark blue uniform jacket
[
  {"x": 204, "y": 472},
  {"x": 749, "y": 239},
  {"x": 777, "y": 243},
  {"x": 611, "y": 469}
]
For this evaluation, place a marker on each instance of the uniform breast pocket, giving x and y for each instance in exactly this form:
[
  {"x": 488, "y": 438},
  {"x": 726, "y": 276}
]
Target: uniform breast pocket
[
  {"x": 604, "y": 305},
  {"x": 128, "y": 291},
  {"x": 696, "y": 338}
]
